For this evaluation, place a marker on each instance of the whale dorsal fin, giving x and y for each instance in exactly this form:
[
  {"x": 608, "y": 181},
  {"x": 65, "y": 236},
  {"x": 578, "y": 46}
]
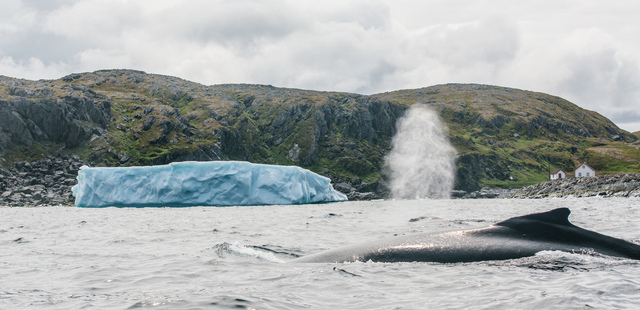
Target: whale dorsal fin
[{"x": 558, "y": 216}]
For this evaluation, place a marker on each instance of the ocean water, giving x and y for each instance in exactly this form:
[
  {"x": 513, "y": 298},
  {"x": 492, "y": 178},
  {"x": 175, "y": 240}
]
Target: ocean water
[{"x": 235, "y": 258}]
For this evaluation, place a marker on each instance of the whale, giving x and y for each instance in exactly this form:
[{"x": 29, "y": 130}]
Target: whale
[{"x": 513, "y": 238}]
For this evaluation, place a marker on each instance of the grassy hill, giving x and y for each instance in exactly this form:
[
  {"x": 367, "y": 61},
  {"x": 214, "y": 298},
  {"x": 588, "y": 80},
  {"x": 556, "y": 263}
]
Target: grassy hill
[
  {"x": 520, "y": 134},
  {"x": 504, "y": 137}
]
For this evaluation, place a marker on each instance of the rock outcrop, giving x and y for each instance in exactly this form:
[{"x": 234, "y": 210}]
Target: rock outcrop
[{"x": 71, "y": 121}]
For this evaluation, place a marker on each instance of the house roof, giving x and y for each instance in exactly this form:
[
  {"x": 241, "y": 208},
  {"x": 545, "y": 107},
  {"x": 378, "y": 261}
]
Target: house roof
[
  {"x": 584, "y": 164},
  {"x": 556, "y": 171}
]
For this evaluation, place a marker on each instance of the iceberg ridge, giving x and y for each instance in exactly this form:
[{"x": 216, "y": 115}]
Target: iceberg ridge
[{"x": 214, "y": 183}]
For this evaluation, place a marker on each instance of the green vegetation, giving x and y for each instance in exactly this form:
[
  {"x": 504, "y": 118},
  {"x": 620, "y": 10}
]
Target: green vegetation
[
  {"x": 34, "y": 152},
  {"x": 511, "y": 138},
  {"x": 613, "y": 158}
]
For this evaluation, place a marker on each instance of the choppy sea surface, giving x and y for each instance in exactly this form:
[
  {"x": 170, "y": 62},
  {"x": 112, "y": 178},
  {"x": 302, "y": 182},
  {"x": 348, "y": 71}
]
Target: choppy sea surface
[{"x": 235, "y": 257}]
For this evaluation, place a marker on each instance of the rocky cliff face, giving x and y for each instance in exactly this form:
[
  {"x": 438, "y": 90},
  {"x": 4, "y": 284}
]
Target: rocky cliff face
[
  {"x": 344, "y": 138},
  {"x": 303, "y": 131},
  {"x": 70, "y": 120}
]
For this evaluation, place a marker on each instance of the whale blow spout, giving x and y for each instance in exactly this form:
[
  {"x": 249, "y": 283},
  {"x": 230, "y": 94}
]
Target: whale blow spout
[{"x": 421, "y": 161}]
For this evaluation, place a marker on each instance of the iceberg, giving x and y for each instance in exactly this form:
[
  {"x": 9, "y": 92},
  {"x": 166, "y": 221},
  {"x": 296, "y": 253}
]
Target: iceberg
[{"x": 215, "y": 183}]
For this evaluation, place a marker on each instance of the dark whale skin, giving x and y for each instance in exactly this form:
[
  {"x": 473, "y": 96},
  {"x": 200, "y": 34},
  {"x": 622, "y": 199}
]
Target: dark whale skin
[{"x": 516, "y": 237}]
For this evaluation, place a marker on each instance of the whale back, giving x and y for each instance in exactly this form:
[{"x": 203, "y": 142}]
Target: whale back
[
  {"x": 513, "y": 238},
  {"x": 558, "y": 216},
  {"x": 554, "y": 226}
]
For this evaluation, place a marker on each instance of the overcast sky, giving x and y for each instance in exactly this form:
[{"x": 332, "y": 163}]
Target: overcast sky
[{"x": 585, "y": 51}]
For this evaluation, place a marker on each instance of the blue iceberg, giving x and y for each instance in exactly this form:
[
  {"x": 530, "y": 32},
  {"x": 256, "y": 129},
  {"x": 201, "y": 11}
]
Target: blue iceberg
[{"x": 215, "y": 183}]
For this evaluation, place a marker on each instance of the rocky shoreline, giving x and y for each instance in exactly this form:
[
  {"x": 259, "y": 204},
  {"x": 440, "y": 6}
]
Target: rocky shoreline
[
  {"x": 611, "y": 185},
  {"x": 44, "y": 182},
  {"x": 49, "y": 182}
]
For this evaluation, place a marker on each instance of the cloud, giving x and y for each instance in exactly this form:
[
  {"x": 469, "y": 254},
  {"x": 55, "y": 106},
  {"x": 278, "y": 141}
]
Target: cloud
[
  {"x": 489, "y": 41},
  {"x": 587, "y": 67},
  {"x": 94, "y": 22},
  {"x": 477, "y": 52},
  {"x": 45, "y": 5},
  {"x": 367, "y": 14},
  {"x": 627, "y": 118},
  {"x": 286, "y": 43},
  {"x": 328, "y": 57},
  {"x": 598, "y": 70},
  {"x": 32, "y": 68},
  {"x": 241, "y": 25},
  {"x": 14, "y": 17}
]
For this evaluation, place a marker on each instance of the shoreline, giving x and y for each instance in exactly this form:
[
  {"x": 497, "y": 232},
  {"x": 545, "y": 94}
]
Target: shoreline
[
  {"x": 609, "y": 185},
  {"x": 49, "y": 182}
]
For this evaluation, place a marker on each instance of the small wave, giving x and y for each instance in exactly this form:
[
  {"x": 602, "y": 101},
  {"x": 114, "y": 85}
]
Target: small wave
[
  {"x": 260, "y": 253},
  {"x": 156, "y": 304},
  {"x": 229, "y": 302},
  {"x": 564, "y": 261}
]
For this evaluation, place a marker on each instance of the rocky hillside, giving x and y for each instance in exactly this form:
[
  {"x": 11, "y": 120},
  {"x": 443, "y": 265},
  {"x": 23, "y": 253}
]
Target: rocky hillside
[
  {"x": 511, "y": 138},
  {"x": 505, "y": 137}
]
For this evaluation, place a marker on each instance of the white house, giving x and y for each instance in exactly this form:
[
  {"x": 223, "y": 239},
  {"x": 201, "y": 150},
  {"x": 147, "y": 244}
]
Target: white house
[
  {"x": 585, "y": 171},
  {"x": 558, "y": 174}
]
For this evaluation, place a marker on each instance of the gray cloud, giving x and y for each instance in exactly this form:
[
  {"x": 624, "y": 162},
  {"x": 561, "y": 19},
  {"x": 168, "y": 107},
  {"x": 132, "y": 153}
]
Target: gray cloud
[
  {"x": 493, "y": 40},
  {"x": 589, "y": 68},
  {"x": 236, "y": 24},
  {"x": 368, "y": 14},
  {"x": 601, "y": 75},
  {"x": 627, "y": 118},
  {"x": 46, "y": 5},
  {"x": 43, "y": 46}
]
